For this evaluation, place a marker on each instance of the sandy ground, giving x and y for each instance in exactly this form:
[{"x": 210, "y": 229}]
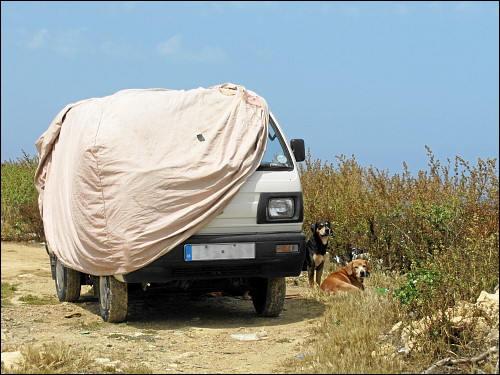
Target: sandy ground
[{"x": 169, "y": 333}]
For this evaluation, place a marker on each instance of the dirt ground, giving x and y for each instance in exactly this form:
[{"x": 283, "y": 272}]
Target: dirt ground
[{"x": 169, "y": 333}]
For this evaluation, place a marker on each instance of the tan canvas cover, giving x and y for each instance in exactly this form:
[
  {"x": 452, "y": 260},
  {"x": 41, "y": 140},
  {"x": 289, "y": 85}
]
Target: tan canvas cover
[{"x": 125, "y": 178}]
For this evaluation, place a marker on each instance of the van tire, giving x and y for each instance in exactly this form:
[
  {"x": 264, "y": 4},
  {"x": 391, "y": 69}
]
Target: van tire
[
  {"x": 52, "y": 258},
  {"x": 68, "y": 282},
  {"x": 113, "y": 299},
  {"x": 268, "y": 296}
]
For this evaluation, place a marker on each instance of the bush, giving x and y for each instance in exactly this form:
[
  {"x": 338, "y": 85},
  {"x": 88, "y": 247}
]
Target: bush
[
  {"x": 440, "y": 228},
  {"x": 21, "y": 219},
  {"x": 419, "y": 288},
  {"x": 438, "y": 219}
]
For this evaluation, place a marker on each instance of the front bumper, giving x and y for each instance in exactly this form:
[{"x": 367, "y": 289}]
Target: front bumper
[{"x": 267, "y": 262}]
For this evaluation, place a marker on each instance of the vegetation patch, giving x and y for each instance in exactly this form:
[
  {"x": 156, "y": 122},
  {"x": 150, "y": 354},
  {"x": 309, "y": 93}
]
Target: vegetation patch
[
  {"x": 20, "y": 215},
  {"x": 30, "y": 299},
  {"x": 420, "y": 286},
  {"x": 8, "y": 291},
  {"x": 53, "y": 358}
]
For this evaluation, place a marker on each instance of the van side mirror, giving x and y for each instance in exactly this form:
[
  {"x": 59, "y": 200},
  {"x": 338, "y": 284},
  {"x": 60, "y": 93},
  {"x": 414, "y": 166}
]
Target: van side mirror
[{"x": 299, "y": 150}]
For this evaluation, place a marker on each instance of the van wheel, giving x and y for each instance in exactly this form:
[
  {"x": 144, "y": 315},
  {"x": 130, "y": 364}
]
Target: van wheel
[
  {"x": 268, "y": 296},
  {"x": 68, "y": 283},
  {"x": 113, "y": 299},
  {"x": 52, "y": 258}
]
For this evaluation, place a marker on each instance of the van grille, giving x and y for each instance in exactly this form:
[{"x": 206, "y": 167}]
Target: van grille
[{"x": 216, "y": 271}]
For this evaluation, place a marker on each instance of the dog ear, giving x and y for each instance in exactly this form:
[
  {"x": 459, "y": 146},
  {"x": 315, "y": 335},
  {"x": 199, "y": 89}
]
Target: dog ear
[
  {"x": 368, "y": 267},
  {"x": 348, "y": 268},
  {"x": 313, "y": 227}
]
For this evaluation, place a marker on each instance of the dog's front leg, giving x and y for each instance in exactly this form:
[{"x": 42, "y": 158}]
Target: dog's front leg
[
  {"x": 319, "y": 261},
  {"x": 319, "y": 273},
  {"x": 310, "y": 276}
]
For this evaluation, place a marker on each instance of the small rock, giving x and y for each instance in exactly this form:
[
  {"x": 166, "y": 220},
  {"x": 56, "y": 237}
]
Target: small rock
[
  {"x": 26, "y": 276},
  {"x": 114, "y": 363},
  {"x": 261, "y": 335},
  {"x": 73, "y": 314},
  {"x": 5, "y": 334},
  {"x": 403, "y": 351},
  {"x": 102, "y": 360},
  {"x": 11, "y": 360}
]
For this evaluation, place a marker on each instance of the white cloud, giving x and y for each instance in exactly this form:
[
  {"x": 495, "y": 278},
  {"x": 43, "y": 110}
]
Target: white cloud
[
  {"x": 76, "y": 42},
  {"x": 67, "y": 43},
  {"x": 71, "y": 42},
  {"x": 173, "y": 49},
  {"x": 171, "y": 46},
  {"x": 38, "y": 39}
]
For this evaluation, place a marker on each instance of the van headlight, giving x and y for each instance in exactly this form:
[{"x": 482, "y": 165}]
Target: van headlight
[{"x": 281, "y": 208}]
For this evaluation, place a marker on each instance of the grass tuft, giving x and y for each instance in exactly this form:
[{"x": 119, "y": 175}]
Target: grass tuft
[
  {"x": 30, "y": 299},
  {"x": 8, "y": 291}
]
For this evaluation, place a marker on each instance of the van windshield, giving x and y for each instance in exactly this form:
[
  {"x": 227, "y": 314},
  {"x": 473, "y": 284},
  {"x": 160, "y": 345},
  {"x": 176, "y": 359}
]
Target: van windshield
[{"x": 276, "y": 156}]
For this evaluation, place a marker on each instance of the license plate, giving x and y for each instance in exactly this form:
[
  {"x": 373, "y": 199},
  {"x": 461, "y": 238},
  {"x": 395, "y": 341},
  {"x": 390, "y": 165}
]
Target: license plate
[{"x": 219, "y": 251}]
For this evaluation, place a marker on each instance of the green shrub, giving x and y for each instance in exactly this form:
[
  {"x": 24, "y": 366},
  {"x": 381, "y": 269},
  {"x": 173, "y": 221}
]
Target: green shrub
[
  {"x": 7, "y": 292},
  {"x": 419, "y": 286},
  {"x": 21, "y": 219},
  {"x": 438, "y": 227},
  {"x": 409, "y": 221},
  {"x": 31, "y": 299}
]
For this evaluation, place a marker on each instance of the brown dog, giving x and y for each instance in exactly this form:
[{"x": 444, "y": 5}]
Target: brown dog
[{"x": 348, "y": 278}]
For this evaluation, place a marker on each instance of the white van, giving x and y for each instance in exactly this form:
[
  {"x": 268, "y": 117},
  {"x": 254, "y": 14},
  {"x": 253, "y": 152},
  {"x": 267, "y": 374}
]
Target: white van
[{"x": 251, "y": 246}]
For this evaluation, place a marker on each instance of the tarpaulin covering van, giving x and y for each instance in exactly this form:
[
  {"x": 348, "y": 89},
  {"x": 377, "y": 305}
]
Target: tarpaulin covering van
[
  {"x": 128, "y": 181},
  {"x": 125, "y": 178}
]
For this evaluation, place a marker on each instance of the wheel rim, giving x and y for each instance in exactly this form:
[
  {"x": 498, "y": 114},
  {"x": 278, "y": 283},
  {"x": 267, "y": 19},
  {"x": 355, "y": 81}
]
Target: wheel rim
[{"x": 104, "y": 295}]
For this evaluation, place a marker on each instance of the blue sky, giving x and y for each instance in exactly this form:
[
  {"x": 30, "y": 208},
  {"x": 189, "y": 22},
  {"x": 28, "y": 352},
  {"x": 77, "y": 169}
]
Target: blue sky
[{"x": 377, "y": 80}]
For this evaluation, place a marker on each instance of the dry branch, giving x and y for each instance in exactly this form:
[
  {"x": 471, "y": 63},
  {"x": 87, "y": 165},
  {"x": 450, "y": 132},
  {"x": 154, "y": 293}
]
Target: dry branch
[{"x": 452, "y": 362}]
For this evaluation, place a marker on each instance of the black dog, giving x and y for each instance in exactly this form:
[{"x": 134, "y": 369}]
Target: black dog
[
  {"x": 351, "y": 253},
  {"x": 355, "y": 253},
  {"x": 315, "y": 251}
]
